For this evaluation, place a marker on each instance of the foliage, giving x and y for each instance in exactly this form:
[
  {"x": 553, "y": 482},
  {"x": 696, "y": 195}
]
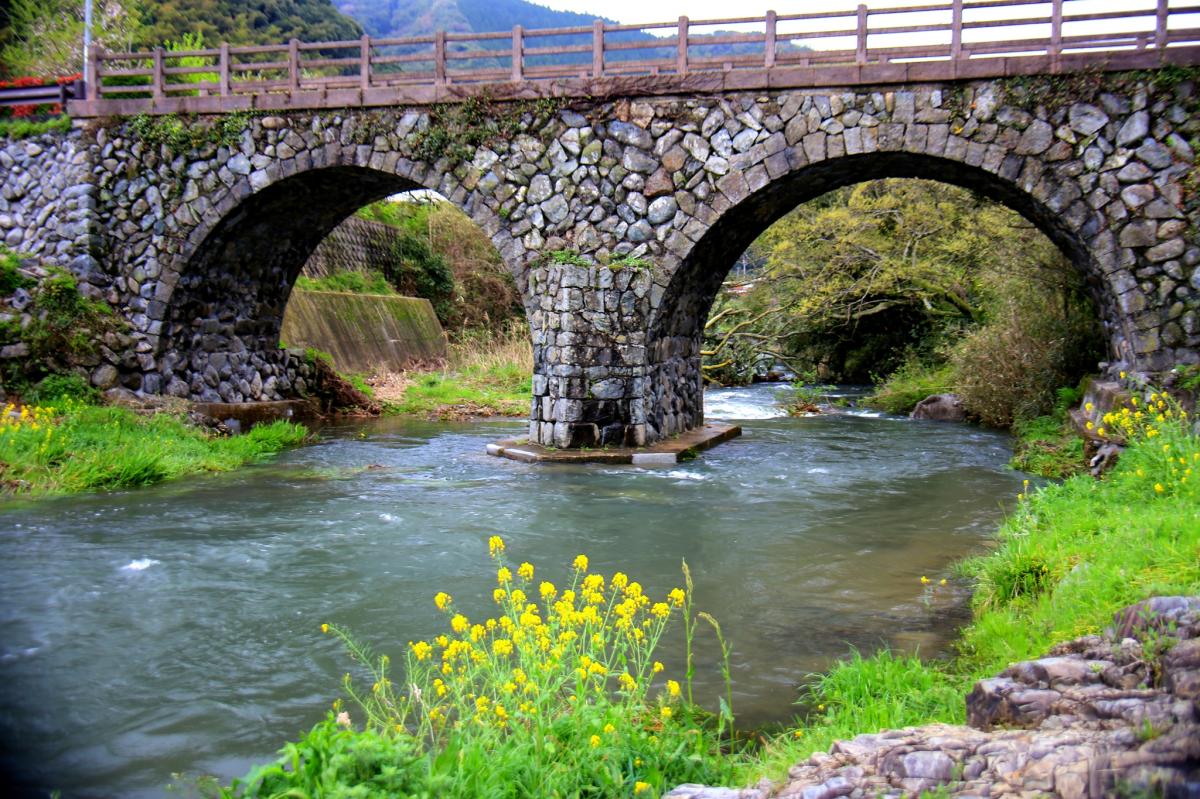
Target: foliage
[
  {"x": 27, "y": 128},
  {"x": 910, "y": 275},
  {"x": 70, "y": 447},
  {"x": 46, "y": 36},
  {"x": 181, "y": 134},
  {"x": 912, "y": 382},
  {"x": 1009, "y": 369},
  {"x": 57, "y": 389},
  {"x": 456, "y": 130},
  {"x": 11, "y": 278},
  {"x": 245, "y": 21},
  {"x": 558, "y": 693},
  {"x": 567, "y": 258},
  {"x": 1046, "y": 446},
  {"x": 801, "y": 398},
  {"x": 484, "y": 293},
  {"x": 1071, "y": 556},
  {"x": 370, "y": 282},
  {"x": 629, "y": 262}
]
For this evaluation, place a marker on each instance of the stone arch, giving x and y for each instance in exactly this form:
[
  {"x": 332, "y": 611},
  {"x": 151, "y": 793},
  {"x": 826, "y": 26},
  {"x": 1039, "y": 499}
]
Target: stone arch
[
  {"x": 234, "y": 273},
  {"x": 676, "y": 329}
]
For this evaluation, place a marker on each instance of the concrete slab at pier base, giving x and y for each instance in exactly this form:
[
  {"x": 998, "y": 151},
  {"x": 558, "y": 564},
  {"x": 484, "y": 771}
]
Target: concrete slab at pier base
[{"x": 662, "y": 453}]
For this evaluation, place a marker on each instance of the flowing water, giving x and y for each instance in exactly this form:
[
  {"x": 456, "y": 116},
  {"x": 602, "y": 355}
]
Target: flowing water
[{"x": 175, "y": 628}]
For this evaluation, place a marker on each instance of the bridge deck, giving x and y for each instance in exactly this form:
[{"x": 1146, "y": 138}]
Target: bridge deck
[{"x": 968, "y": 39}]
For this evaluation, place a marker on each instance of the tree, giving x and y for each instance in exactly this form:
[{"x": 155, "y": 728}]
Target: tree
[{"x": 45, "y": 37}]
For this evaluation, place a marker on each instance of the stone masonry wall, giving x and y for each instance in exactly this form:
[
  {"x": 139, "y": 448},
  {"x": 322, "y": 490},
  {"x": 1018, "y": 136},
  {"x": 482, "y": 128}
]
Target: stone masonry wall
[{"x": 200, "y": 249}]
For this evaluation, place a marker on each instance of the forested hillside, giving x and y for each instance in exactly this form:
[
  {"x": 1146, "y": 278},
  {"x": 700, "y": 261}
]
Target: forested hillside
[{"x": 245, "y": 21}]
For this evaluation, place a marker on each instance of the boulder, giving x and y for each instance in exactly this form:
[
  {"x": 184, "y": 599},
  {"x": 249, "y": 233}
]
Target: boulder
[{"x": 940, "y": 408}]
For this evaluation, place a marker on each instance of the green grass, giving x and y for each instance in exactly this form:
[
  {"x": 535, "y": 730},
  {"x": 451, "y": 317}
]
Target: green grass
[
  {"x": 371, "y": 282},
  {"x": 489, "y": 373},
  {"x": 78, "y": 447},
  {"x": 908, "y": 385},
  {"x": 1046, "y": 446},
  {"x": 501, "y": 390},
  {"x": 1070, "y": 557}
]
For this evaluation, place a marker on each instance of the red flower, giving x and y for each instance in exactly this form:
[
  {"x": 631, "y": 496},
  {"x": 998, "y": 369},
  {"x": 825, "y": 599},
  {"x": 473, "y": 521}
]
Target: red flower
[{"x": 23, "y": 110}]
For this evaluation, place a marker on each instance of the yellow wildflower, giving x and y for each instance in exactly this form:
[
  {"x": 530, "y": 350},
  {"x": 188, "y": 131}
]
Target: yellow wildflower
[
  {"x": 421, "y": 649},
  {"x": 525, "y": 571},
  {"x": 658, "y": 667},
  {"x": 499, "y": 594},
  {"x": 640, "y": 786},
  {"x": 580, "y": 563},
  {"x": 547, "y": 590},
  {"x": 595, "y": 741},
  {"x": 666, "y": 712},
  {"x": 459, "y": 624},
  {"x": 503, "y": 575},
  {"x": 673, "y": 688},
  {"x": 495, "y": 545},
  {"x": 502, "y": 646},
  {"x": 677, "y": 596},
  {"x": 441, "y": 599}
]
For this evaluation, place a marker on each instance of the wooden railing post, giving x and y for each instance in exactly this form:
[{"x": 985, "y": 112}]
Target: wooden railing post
[
  {"x": 597, "y": 48},
  {"x": 364, "y": 62},
  {"x": 223, "y": 70},
  {"x": 1160, "y": 25},
  {"x": 294, "y": 64},
  {"x": 769, "y": 42},
  {"x": 92, "y": 87},
  {"x": 158, "y": 90},
  {"x": 860, "y": 56},
  {"x": 1056, "y": 21},
  {"x": 956, "y": 23},
  {"x": 518, "y": 53},
  {"x": 681, "y": 47},
  {"x": 439, "y": 57}
]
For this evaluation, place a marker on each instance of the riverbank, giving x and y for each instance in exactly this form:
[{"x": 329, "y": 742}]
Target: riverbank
[
  {"x": 70, "y": 446},
  {"x": 1071, "y": 556},
  {"x": 486, "y": 373},
  {"x": 1068, "y": 558}
]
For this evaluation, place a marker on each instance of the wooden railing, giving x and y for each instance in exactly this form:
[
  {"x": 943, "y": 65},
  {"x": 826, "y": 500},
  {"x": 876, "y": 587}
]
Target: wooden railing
[{"x": 960, "y": 38}]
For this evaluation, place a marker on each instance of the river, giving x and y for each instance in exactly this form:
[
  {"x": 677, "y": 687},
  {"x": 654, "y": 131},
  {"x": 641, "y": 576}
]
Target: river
[{"x": 176, "y": 628}]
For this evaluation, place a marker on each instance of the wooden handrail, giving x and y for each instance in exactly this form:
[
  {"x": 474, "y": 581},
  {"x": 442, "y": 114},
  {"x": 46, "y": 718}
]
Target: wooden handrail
[{"x": 442, "y": 59}]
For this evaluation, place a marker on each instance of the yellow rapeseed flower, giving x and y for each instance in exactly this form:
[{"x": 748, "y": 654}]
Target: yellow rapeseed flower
[
  {"x": 499, "y": 595},
  {"x": 325, "y": 628},
  {"x": 1158, "y": 488},
  {"x": 673, "y": 688},
  {"x": 525, "y": 571},
  {"x": 421, "y": 649},
  {"x": 441, "y": 599},
  {"x": 595, "y": 740},
  {"x": 459, "y": 624},
  {"x": 580, "y": 563},
  {"x": 547, "y": 590},
  {"x": 666, "y": 712},
  {"x": 658, "y": 667},
  {"x": 640, "y": 786},
  {"x": 609, "y": 729},
  {"x": 502, "y": 646},
  {"x": 677, "y": 596},
  {"x": 503, "y": 575},
  {"x": 495, "y": 545}
]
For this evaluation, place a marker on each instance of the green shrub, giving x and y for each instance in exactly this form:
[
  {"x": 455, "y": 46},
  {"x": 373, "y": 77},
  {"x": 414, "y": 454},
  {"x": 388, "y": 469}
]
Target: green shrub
[
  {"x": 912, "y": 382},
  {"x": 55, "y": 389},
  {"x": 370, "y": 282},
  {"x": 11, "y": 278},
  {"x": 1011, "y": 367}
]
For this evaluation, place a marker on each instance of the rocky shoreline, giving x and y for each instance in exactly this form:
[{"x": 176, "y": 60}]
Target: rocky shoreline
[{"x": 1100, "y": 716}]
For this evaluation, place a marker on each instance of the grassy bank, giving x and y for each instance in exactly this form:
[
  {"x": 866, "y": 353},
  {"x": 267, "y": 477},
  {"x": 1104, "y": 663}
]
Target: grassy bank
[
  {"x": 486, "y": 374},
  {"x": 72, "y": 446},
  {"x": 1070, "y": 557}
]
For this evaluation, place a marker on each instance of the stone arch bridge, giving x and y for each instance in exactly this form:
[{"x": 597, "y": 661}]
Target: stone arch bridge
[{"x": 653, "y": 197}]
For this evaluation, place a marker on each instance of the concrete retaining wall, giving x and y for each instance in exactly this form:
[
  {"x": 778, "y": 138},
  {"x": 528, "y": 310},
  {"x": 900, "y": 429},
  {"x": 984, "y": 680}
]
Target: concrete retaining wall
[{"x": 364, "y": 332}]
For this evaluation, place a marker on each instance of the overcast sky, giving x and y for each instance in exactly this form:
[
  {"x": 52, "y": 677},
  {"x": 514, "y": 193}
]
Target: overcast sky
[{"x": 641, "y": 11}]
